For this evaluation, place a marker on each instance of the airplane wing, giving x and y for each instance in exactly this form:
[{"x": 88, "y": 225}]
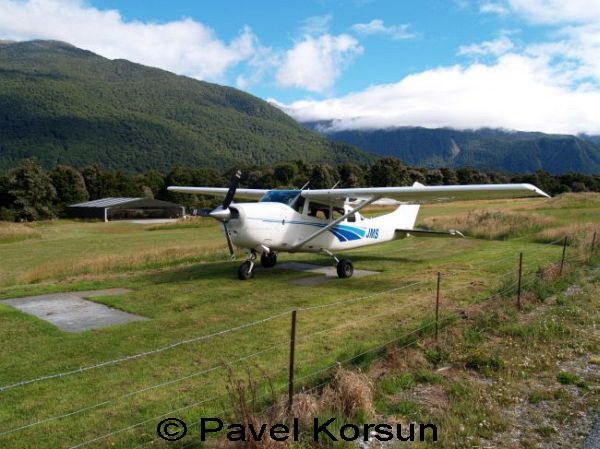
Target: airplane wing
[
  {"x": 420, "y": 194},
  {"x": 244, "y": 194}
]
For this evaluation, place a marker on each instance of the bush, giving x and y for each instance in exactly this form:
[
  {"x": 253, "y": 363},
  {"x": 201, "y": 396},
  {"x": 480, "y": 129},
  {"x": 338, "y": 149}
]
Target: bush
[{"x": 479, "y": 360}]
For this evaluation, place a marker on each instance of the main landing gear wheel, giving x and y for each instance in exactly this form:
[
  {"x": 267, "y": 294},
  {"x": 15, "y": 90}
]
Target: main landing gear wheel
[
  {"x": 246, "y": 271},
  {"x": 345, "y": 269},
  {"x": 268, "y": 260}
]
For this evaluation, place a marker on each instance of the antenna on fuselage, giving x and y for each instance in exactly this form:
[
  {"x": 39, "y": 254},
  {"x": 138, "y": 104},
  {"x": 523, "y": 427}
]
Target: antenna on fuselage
[
  {"x": 335, "y": 185},
  {"x": 305, "y": 185}
]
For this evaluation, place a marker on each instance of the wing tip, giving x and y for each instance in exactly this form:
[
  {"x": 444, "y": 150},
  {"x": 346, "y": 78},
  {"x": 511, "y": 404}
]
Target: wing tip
[{"x": 537, "y": 190}]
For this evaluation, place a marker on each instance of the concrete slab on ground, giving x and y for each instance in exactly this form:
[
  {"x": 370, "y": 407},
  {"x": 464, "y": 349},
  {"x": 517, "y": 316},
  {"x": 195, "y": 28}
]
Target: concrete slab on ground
[
  {"x": 327, "y": 273},
  {"x": 70, "y": 312}
]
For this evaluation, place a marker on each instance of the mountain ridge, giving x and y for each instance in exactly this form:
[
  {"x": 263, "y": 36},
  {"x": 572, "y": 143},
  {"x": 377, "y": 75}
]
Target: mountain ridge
[
  {"x": 66, "y": 105},
  {"x": 486, "y": 149}
]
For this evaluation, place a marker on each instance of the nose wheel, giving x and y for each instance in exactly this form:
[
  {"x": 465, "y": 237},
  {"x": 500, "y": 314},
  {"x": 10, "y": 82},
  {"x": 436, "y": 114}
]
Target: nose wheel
[{"x": 246, "y": 270}]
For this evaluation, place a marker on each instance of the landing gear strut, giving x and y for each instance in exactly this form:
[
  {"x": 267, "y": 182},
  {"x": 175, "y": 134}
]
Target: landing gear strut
[
  {"x": 345, "y": 269},
  {"x": 268, "y": 259},
  {"x": 246, "y": 270}
]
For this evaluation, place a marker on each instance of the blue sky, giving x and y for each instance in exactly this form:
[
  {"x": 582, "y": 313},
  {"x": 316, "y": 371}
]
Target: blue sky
[
  {"x": 515, "y": 64},
  {"x": 440, "y": 28}
]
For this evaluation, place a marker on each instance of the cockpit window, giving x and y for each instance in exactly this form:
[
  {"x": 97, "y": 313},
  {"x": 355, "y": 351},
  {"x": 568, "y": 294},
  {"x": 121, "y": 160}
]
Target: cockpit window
[{"x": 287, "y": 197}]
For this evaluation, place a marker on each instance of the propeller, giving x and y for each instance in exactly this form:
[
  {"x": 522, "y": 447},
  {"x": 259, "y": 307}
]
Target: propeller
[{"x": 223, "y": 213}]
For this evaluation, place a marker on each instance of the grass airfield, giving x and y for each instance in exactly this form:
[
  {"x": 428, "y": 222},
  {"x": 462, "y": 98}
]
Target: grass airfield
[{"x": 181, "y": 279}]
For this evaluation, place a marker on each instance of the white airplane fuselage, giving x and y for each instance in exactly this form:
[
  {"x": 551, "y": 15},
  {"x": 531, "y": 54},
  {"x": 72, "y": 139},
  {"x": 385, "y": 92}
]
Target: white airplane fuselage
[{"x": 278, "y": 227}]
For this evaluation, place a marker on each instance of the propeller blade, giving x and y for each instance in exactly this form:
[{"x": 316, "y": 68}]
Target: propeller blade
[
  {"x": 235, "y": 180},
  {"x": 229, "y": 243}
]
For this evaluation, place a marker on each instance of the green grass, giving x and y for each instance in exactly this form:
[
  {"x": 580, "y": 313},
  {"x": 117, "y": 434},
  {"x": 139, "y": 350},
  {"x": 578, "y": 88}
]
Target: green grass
[{"x": 181, "y": 279}]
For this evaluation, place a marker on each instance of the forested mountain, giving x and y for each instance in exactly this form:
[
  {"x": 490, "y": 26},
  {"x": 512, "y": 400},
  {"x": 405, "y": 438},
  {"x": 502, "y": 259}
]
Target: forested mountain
[
  {"x": 485, "y": 149},
  {"x": 64, "y": 105}
]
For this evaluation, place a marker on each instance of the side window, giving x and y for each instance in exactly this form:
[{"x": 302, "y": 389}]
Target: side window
[
  {"x": 318, "y": 210},
  {"x": 323, "y": 214},
  {"x": 352, "y": 218},
  {"x": 337, "y": 213}
]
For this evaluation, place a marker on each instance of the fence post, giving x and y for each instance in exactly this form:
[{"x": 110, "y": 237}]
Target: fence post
[
  {"x": 437, "y": 307},
  {"x": 292, "y": 360},
  {"x": 562, "y": 260},
  {"x": 519, "y": 281},
  {"x": 593, "y": 244}
]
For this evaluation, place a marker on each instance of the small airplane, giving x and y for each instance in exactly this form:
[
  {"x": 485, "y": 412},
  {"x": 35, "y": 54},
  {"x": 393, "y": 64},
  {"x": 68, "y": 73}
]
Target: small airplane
[{"x": 329, "y": 220}]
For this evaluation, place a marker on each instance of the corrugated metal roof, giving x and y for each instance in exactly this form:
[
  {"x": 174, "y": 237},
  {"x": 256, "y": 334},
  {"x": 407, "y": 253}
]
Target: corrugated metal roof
[{"x": 106, "y": 202}]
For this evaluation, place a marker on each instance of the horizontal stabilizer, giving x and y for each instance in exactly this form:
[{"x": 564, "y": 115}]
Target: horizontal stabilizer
[{"x": 403, "y": 233}]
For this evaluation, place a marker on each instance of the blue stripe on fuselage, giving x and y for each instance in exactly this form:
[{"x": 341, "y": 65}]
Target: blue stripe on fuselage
[{"x": 343, "y": 233}]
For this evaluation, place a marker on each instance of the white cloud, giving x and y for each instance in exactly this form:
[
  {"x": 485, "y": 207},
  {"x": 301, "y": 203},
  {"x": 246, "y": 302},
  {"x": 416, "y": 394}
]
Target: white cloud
[
  {"x": 315, "y": 63},
  {"x": 493, "y": 8},
  {"x": 551, "y": 85},
  {"x": 557, "y": 11},
  {"x": 495, "y": 47},
  {"x": 577, "y": 35},
  {"x": 316, "y": 24},
  {"x": 184, "y": 46},
  {"x": 376, "y": 26},
  {"x": 517, "y": 92}
]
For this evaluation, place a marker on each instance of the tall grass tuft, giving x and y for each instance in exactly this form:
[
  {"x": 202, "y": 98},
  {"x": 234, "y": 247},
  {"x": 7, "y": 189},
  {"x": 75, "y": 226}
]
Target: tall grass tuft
[
  {"x": 579, "y": 237},
  {"x": 491, "y": 224},
  {"x": 15, "y": 232}
]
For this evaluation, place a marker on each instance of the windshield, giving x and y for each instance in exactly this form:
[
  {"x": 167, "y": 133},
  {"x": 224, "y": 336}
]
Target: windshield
[{"x": 287, "y": 197}]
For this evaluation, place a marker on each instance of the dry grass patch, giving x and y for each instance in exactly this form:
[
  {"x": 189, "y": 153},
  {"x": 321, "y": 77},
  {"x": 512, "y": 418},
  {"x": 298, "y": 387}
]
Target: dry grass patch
[
  {"x": 15, "y": 232},
  {"x": 579, "y": 236},
  {"x": 246, "y": 406},
  {"x": 491, "y": 224},
  {"x": 552, "y": 272},
  {"x": 571, "y": 201},
  {"x": 351, "y": 393},
  {"x": 305, "y": 408},
  {"x": 110, "y": 263}
]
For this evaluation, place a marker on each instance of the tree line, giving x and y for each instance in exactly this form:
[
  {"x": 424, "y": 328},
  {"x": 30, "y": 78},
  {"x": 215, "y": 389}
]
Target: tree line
[{"x": 29, "y": 192}]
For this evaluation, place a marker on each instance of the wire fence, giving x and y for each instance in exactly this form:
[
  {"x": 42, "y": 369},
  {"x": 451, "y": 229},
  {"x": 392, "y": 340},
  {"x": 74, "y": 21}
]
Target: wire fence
[{"x": 313, "y": 372}]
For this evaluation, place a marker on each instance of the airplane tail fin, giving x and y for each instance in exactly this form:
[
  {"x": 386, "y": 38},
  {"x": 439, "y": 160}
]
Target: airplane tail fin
[{"x": 405, "y": 216}]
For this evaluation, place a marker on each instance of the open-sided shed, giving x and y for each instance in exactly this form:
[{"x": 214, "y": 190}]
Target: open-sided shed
[{"x": 125, "y": 209}]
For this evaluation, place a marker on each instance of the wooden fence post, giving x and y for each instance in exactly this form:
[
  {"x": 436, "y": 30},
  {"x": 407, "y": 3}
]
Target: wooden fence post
[
  {"x": 519, "y": 281},
  {"x": 292, "y": 361},
  {"x": 437, "y": 307},
  {"x": 562, "y": 260}
]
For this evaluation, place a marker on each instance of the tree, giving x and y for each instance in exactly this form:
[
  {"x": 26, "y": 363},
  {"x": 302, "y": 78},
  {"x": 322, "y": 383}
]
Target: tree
[
  {"x": 416, "y": 175},
  {"x": 6, "y": 213},
  {"x": 323, "y": 176},
  {"x": 351, "y": 175},
  {"x": 69, "y": 185},
  {"x": 434, "y": 177},
  {"x": 30, "y": 191},
  {"x": 97, "y": 181},
  {"x": 468, "y": 175},
  {"x": 285, "y": 173},
  {"x": 449, "y": 175},
  {"x": 388, "y": 172},
  {"x": 153, "y": 180}
]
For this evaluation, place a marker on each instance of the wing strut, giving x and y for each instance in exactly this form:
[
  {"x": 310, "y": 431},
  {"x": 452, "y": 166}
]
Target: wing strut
[{"x": 333, "y": 223}]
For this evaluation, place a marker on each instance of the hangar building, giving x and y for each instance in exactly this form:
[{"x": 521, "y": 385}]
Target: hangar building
[{"x": 125, "y": 209}]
